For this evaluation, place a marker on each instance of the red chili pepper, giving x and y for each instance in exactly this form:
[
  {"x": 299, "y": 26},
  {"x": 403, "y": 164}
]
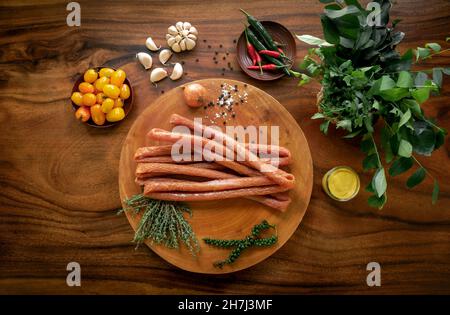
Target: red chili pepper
[
  {"x": 269, "y": 66},
  {"x": 259, "y": 61},
  {"x": 250, "y": 49},
  {"x": 275, "y": 54}
]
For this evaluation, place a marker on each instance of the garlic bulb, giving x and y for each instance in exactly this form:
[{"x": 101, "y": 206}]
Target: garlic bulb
[
  {"x": 151, "y": 44},
  {"x": 181, "y": 36},
  {"x": 165, "y": 55},
  {"x": 157, "y": 75},
  {"x": 177, "y": 72},
  {"x": 145, "y": 60}
]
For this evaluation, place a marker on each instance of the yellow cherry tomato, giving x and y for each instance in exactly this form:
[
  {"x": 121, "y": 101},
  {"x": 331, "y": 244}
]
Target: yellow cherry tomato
[
  {"x": 115, "y": 114},
  {"x": 118, "y": 77},
  {"x": 118, "y": 103},
  {"x": 86, "y": 87},
  {"x": 77, "y": 98},
  {"x": 106, "y": 72},
  {"x": 89, "y": 99},
  {"x": 107, "y": 105},
  {"x": 90, "y": 75},
  {"x": 100, "y": 83},
  {"x": 100, "y": 97},
  {"x": 125, "y": 91},
  {"x": 83, "y": 113},
  {"x": 97, "y": 115},
  {"x": 111, "y": 91}
]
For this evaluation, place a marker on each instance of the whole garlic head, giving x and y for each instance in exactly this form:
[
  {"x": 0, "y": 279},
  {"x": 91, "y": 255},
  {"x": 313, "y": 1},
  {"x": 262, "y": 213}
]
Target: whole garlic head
[{"x": 181, "y": 36}]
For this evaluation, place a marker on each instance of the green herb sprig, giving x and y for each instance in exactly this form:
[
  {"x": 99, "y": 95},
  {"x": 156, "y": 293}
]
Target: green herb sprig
[
  {"x": 252, "y": 240},
  {"x": 365, "y": 80},
  {"x": 162, "y": 222}
]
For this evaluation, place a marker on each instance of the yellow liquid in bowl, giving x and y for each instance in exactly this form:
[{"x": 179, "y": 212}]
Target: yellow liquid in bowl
[{"x": 341, "y": 183}]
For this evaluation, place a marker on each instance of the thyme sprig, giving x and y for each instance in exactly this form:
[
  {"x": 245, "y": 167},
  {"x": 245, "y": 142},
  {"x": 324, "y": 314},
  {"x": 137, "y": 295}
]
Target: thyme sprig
[
  {"x": 162, "y": 222},
  {"x": 252, "y": 240}
]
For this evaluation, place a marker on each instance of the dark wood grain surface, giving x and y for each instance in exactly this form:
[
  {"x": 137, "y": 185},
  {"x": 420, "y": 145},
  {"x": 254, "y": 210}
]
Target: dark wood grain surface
[{"x": 58, "y": 178}]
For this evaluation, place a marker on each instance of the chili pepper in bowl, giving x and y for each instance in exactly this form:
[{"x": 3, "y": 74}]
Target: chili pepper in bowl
[
  {"x": 261, "y": 31},
  {"x": 269, "y": 66},
  {"x": 259, "y": 46},
  {"x": 259, "y": 61},
  {"x": 275, "y": 54},
  {"x": 250, "y": 49},
  {"x": 256, "y": 58},
  {"x": 279, "y": 44}
]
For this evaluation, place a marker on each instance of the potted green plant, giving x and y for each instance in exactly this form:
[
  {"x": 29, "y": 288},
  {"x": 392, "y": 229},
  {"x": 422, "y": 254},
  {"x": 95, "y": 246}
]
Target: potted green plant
[{"x": 366, "y": 81}]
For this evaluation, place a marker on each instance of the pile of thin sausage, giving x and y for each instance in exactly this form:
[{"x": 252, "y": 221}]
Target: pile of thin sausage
[{"x": 252, "y": 176}]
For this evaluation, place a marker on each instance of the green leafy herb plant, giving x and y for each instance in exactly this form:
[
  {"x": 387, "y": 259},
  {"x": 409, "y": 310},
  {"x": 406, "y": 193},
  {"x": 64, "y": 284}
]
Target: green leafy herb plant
[{"x": 366, "y": 81}]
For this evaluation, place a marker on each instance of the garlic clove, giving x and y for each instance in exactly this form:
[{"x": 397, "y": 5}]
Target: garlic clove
[
  {"x": 192, "y": 36},
  {"x": 168, "y": 36},
  {"x": 187, "y": 25},
  {"x": 172, "y": 30},
  {"x": 151, "y": 44},
  {"x": 190, "y": 44},
  {"x": 185, "y": 33},
  {"x": 171, "y": 41},
  {"x": 176, "y": 47},
  {"x": 179, "y": 26},
  {"x": 193, "y": 30},
  {"x": 178, "y": 38},
  {"x": 177, "y": 72},
  {"x": 157, "y": 74},
  {"x": 145, "y": 60},
  {"x": 165, "y": 55},
  {"x": 183, "y": 44}
]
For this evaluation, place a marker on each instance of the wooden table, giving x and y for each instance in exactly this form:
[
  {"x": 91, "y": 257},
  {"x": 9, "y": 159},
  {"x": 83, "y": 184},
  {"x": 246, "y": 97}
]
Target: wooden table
[{"x": 59, "y": 192}]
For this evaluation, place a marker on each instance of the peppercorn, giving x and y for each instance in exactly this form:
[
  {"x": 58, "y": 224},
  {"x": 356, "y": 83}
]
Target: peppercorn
[{"x": 251, "y": 240}]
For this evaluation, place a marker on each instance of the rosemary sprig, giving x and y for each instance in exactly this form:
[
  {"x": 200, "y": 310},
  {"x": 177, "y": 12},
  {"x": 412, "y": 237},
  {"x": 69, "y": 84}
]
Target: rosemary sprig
[
  {"x": 162, "y": 222},
  {"x": 252, "y": 240}
]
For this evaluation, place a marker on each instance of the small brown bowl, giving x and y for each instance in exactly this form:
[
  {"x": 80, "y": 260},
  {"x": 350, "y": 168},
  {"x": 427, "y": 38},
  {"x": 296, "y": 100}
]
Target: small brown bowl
[
  {"x": 279, "y": 34},
  {"x": 127, "y": 104}
]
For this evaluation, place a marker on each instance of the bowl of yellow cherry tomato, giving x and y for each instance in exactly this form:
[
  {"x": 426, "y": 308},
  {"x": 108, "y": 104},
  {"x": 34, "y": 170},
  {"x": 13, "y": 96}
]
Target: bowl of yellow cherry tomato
[{"x": 102, "y": 97}]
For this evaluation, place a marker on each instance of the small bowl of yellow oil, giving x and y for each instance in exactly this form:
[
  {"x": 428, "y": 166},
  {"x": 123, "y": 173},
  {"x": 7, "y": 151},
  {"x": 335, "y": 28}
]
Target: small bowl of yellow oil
[{"x": 341, "y": 183}]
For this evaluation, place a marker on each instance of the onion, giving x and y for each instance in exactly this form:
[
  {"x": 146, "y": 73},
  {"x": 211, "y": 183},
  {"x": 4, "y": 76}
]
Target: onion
[{"x": 195, "y": 95}]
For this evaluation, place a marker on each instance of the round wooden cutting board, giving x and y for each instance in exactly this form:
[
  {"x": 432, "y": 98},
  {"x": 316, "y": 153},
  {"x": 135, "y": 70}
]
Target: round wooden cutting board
[{"x": 232, "y": 218}]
